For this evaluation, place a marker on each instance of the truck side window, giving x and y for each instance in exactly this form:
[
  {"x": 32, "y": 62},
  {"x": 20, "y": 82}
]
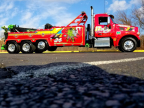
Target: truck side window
[{"x": 103, "y": 20}]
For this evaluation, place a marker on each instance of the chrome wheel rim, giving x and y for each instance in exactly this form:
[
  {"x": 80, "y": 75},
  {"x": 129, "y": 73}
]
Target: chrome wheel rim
[
  {"x": 26, "y": 47},
  {"x": 11, "y": 47},
  {"x": 41, "y": 45},
  {"x": 128, "y": 45}
]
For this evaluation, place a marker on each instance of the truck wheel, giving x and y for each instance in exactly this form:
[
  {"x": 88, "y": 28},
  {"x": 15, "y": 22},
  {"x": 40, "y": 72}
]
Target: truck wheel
[
  {"x": 53, "y": 48},
  {"x": 120, "y": 48},
  {"x": 127, "y": 44},
  {"x": 41, "y": 46},
  {"x": 13, "y": 47},
  {"x": 27, "y": 47}
]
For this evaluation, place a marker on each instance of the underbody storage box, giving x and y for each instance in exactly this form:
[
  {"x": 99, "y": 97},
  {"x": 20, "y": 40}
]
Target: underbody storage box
[{"x": 102, "y": 42}]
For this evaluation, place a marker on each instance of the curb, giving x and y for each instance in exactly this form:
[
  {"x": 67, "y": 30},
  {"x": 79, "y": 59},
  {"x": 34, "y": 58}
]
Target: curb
[
  {"x": 139, "y": 51},
  {"x": 83, "y": 51}
]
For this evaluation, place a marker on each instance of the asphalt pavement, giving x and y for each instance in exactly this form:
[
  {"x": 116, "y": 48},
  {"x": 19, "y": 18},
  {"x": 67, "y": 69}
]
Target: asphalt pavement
[
  {"x": 46, "y": 58},
  {"x": 72, "y": 80}
]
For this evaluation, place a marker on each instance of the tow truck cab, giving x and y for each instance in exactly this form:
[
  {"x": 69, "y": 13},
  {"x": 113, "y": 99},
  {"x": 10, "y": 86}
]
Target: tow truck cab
[{"x": 107, "y": 33}]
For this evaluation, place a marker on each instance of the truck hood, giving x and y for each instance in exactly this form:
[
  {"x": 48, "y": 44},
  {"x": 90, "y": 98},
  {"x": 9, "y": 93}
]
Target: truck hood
[{"x": 126, "y": 28}]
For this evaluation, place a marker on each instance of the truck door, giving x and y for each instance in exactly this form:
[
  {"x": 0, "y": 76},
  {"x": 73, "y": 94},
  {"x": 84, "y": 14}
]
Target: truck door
[{"x": 103, "y": 28}]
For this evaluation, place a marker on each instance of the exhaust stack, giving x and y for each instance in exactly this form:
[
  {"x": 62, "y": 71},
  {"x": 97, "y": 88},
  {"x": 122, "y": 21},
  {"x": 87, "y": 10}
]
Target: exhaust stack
[{"x": 92, "y": 22}]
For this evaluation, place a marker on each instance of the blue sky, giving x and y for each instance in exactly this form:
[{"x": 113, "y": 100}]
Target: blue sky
[{"x": 36, "y": 13}]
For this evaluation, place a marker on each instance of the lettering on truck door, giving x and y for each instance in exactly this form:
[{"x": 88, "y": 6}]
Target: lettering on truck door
[{"x": 102, "y": 29}]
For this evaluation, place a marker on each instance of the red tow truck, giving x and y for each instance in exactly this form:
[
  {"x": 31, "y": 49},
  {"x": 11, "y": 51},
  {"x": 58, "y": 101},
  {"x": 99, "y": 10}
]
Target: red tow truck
[{"x": 102, "y": 33}]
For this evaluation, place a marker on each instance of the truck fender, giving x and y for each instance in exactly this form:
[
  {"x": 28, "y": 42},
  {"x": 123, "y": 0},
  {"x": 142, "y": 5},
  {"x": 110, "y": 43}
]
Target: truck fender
[
  {"x": 12, "y": 41},
  {"x": 49, "y": 43},
  {"x": 132, "y": 36}
]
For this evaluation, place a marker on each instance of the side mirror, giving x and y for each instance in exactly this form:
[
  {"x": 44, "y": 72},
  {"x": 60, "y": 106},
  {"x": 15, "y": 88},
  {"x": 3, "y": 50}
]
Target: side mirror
[{"x": 108, "y": 20}]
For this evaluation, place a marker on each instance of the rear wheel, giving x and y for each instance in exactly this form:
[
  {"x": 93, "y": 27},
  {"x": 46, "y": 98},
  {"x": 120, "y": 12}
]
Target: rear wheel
[
  {"x": 127, "y": 44},
  {"x": 13, "y": 47},
  {"x": 27, "y": 47},
  {"x": 41, "y": 46}
]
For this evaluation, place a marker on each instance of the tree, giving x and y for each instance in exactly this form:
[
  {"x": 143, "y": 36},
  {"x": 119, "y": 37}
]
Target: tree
[
  {"x": 138, "y": 15},
  {"x": 135, "y": 18},
  {"x": 3, "y": 38},
  {"x": 123, "y": 18}
]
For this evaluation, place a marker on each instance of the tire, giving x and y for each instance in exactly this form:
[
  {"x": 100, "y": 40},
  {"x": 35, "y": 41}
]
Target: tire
[
  {"x": 120, "y": 48},
  {"x": 12, "y": 47},
  {"x": 127, "y": 44},
  {"x": 53, "y": 48},
  {"x": 41, "y": 46},
  {"x": 27, "y": 47}
]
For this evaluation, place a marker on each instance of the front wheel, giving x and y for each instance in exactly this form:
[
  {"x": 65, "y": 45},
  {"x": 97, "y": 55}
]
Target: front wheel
[{"x": 127, "y": 44}]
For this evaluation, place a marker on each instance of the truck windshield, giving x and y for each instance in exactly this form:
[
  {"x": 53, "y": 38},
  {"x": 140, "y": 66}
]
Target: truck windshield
[{"x": 113, "y": 20}]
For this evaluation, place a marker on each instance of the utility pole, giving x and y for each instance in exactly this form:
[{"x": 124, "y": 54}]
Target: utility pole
[{"x": 104, "y": 6}]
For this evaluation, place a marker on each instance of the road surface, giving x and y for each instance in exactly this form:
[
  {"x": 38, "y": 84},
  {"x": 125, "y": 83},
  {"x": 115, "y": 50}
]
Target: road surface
[
  {"x": 131, "y": 68},
  {"x": 72, "y": 80}
]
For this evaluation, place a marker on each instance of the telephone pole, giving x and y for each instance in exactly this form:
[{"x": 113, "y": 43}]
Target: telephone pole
[{"x": 104, "y": 6}]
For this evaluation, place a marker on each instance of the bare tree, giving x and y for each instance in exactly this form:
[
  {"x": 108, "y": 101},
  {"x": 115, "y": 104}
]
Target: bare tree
[
  {"x": 138, "y": 15},
  {"x": 123, "y": 18},
  {"x": 2, "y": 38},
  {"x": 135, "y": 18}
]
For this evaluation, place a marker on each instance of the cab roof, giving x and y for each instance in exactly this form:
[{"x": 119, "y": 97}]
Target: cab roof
[{"x": 104, "y": 14}]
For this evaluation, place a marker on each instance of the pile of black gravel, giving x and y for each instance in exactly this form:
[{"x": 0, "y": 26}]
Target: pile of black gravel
[{"x": 89, "y": 87}]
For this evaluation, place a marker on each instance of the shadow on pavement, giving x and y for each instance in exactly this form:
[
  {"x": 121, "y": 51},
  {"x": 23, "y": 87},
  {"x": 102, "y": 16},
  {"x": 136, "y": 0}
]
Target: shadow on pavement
[{"x": 69, "y": 85}]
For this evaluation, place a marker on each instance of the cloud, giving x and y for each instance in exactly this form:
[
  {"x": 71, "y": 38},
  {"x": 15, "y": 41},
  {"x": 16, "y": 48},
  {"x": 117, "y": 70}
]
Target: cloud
[
  {"x": 15, "y": 12},
  {"x": 7, "y": 11},
  {"x": 26, "y": 16},
  {"x": 118, "y": 5},
  {"x": 5, "y": 6},
  {"x": 42, "y": 11},
  {"x": 106, "y": 2},
  {"x": 135, "y": 2},
  {"x": 122, "y": 5},
  {"x": 140, "y": 12},
  {"x": 3, "y": 21},
  {"x": 64, "y": 1},
  {"x": 36, "y": 13},
  {"x": 1, "y": 15},
  {"x": 53, "y": 0},
  {"x": 64, "y": 20}
]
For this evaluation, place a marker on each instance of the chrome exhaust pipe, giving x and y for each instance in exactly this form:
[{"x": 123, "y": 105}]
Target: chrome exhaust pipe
[{"x": 92, "y": 22}]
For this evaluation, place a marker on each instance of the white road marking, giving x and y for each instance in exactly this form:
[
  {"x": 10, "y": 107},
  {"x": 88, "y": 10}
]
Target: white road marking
[
  {"x": 55, "y": 69},
  {"x": 114, "y": 61}
]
